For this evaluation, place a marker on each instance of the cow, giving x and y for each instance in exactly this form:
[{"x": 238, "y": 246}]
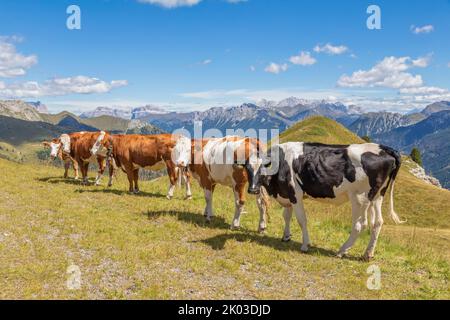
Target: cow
[
  {"x": 132, "y": 152},
  {"x": 227, "y": 161},
  {"x": 361, "y": 173},
  {"x": 57, "y": 151},
  {"x": 75, "y": 147}
]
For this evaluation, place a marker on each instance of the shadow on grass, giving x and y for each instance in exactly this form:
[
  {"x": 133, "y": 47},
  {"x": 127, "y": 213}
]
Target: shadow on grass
[
  {"x": 196, "y": 219},
  {"x": 218, "y": 243},
  {"x": 122, "y": 192},
  {"x": 56, "y": 180}
]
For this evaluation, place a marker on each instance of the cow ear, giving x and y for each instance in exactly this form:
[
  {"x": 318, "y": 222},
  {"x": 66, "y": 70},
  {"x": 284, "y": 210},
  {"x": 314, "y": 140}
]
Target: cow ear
[{"x": 46, "y": 144}]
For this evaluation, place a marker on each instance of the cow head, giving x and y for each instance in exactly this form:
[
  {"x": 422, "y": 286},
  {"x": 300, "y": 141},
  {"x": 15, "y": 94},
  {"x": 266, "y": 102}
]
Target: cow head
[
  {"x": 261, "y": 176},
  {"x": 267, "y": 170},
  {"x": 54, "y": 146},
  {"x": 252, "y": 167},
  {"x": 181, "y": 152},
  {"x": 102, "y": 145}
]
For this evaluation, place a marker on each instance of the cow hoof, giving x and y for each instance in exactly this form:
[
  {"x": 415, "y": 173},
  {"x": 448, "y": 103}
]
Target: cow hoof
[
  {"x": 169, "y": 197},
  {"x": 188, "y": 198},
  {"x": 262, "y": 230},
  {"x": 340, "y": 255},
  {"x": 109, "y": 185},
  {"x": 286, "y": 238},
  {"x": 304, "y": 248},
  {"x": 76, "y": 178},
  {"x": 235, "y": 228},
  {"x": 136, "y": 191},
  {"x": 367, "y": 257}
]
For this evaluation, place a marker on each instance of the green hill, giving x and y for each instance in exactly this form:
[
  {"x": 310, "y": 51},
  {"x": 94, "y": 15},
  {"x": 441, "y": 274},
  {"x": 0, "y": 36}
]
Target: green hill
[
  {"x": 319, "y": 129},
  {"x": 107, "y": 123},
  {"x": 57, "y": 117}
]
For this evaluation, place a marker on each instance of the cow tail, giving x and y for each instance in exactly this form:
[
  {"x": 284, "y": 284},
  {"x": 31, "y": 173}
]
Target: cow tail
[{"x": 398, "y": 162}]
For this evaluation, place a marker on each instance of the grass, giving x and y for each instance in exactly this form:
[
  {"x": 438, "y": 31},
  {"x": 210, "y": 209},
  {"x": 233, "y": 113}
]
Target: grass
[
  {"x": 319, "y": 129},
  {"x": 145, "y": 246}
]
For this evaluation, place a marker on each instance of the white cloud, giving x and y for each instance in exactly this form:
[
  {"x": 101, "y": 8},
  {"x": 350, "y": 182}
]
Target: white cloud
[
  {"x": 172, "y": 3},
  {"x": 424, "y": 29},
  {"x": 252, "y": 68},
  {"x": 206, "y": 62},
  {"x": 58, "y": 87},
  {"x": 330, "y": 49},
  {"x": 389, "y": 73},
  {"x": 303, "y": 59},
  {"x": 236, "y": 1},
  {"x": 276, "y": 68},
  {"x": 448, "y": 65},
  {"x": 12, "y": 63},
  {"x": 422, "y": 62}
]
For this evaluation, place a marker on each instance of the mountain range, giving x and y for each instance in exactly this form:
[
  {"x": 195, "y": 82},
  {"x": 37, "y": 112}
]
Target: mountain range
[
  {"x": 20, "y": 122},
  {"x": 427, "y": 129}
]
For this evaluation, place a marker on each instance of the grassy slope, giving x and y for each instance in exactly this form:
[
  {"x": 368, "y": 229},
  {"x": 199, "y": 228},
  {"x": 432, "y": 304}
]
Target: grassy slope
[
  {"x": 147, "y": 247},
  {"x": 107, "y": 123},
  {"x": 56, "y": 118},
  {"x": 319, "y": 129}
]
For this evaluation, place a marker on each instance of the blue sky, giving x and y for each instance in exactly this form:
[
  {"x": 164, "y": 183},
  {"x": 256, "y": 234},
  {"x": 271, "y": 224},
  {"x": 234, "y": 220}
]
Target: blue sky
[{"x": 205, "y": 53}]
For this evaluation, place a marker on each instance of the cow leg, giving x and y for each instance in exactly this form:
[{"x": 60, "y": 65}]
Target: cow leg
[
  {"x": 136, "y": 179},
  {"x": 101, "y": 170},
  {"x": 130, "y": 176},
  {"x": 187, "y": 180},
  {"x": 301, "y": 219},
  {"x": 372, "y": 215},
  {"x": 209, "y": 214},
  {"x": 239, "y": 202},
  {"x": 75, "y": 168},
  {"x": 287, "y": 215},
  {"x": 376, "y": 228},
  {"x": 360, "y": 205},
  {"x": 84, "y": 172},
  {"x": 111, "y": 172},
  {"x": 172, "y": 171},
  {"x": 262, "y": 207},
  {"x": 66, "y": 168}
]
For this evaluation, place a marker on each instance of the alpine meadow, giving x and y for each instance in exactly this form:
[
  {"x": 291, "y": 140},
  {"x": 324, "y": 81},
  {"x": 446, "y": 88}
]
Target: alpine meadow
[{"x": 224, "y": 153}]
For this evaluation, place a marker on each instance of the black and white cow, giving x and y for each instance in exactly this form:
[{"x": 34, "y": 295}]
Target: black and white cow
[{"x": 360, "y": 173}]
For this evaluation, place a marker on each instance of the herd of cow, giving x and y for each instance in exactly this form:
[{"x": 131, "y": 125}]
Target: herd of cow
[{"x": 289, "y": 172}]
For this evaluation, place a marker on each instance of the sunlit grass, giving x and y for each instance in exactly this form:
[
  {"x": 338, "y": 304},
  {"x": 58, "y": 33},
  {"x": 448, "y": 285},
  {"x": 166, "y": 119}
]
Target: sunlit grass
[{"x": 145, "y": 246}]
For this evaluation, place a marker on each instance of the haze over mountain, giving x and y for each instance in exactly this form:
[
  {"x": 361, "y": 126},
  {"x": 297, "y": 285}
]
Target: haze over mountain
[{"x": 107, "y": 111}]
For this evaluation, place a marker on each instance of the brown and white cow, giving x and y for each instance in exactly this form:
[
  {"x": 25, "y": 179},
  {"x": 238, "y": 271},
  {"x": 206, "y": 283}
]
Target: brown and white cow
[
  {"x": 359, "y": 173},
  {"x": 57, "y": 151},
  {"x": 132, "y": 152},
  {"x": 75, "y": 147},
  {"x": 227, "y": 161}
]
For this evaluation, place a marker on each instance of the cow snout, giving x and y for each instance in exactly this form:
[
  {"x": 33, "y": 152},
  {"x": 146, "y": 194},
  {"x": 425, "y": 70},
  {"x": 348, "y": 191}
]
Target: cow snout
[{"x": 182, "y": 164}]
